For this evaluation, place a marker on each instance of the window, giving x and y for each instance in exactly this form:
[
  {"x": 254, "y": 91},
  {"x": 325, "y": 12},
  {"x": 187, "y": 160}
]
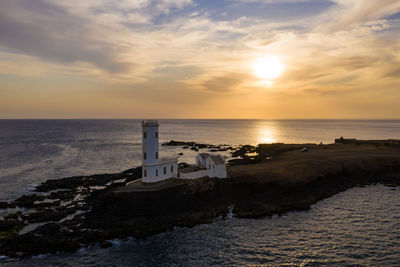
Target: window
[
  {"x": 156, "y": 155},
  {"x": 145, "y": 173},
  {"x": 156, "y": 172},
  {"x": 156, "y": 134},
  {"x": 172, "y": 168},
  {"x": 165, "y": 170},
  {"x": 144, "y": 135},
  {"x": 144, "y": 155}
]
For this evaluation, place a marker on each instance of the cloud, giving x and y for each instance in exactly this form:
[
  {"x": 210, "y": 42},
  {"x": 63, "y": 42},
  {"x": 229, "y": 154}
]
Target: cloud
[
  {"x": 271, "y": 1},
  {"x": 165, "y": 5},
  {"x": 132, "y": 41},
  {"x": 395, "y": 73},
  {"x": 42, "y": 29},
  {"x": 226, "y": 83},
  {"x": 349, "y": 13},
  {"x": 74, "y": 32},
  {"x": 330, "y": 92}
]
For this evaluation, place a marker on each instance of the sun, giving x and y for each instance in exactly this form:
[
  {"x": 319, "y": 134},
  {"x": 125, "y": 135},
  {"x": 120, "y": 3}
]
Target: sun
[{"x": 268, "y": 68}]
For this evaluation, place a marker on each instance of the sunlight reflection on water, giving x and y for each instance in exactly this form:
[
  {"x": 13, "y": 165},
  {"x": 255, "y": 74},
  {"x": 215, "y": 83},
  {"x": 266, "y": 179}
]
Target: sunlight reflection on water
[
  {"x": 32, "y": 151},
  {"x": 266, "y": 134}
]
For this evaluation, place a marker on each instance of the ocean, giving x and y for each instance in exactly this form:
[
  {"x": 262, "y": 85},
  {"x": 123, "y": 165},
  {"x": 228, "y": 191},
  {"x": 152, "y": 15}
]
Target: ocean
[{"x": 32, "y": 151}]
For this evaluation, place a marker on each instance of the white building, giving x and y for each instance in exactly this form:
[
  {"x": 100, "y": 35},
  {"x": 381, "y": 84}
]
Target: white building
[
  {"x": 214, "y": 164},
  {"x": 155, "y": 169},
  {"x": 201, "y": 159},
  {"x": 206, "y": 165}
]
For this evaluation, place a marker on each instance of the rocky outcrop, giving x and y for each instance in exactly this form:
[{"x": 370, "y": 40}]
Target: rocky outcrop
[
  {"x": 196, "y": 146},
  {"x": 291, "y": 180}
]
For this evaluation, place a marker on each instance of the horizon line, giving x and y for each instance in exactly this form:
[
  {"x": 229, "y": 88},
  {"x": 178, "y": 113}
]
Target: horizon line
[{"x": 146, "y": 118}]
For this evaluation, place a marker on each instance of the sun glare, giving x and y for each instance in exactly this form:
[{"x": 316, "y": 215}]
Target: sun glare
[
  {"x": 268, "y": 68},
  {"x": 266, "y": 136}
]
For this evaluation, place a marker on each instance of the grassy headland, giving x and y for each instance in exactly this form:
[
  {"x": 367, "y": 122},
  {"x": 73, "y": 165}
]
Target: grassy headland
[{"x": 276, "y": 178}]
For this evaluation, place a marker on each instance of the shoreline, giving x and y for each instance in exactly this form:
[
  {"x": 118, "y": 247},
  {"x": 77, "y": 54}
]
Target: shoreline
[{"x": 292, "y": 180}]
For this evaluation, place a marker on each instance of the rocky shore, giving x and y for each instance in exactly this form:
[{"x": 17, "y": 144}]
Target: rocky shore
[{"x": 69, "y": 213}]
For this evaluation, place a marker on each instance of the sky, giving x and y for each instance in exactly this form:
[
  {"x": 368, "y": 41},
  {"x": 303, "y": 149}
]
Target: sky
[{"x": 234, "y": 59}]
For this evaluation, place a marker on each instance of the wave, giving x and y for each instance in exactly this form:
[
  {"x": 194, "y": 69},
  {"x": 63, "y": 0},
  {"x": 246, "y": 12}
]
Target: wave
[{"x": 67, "y": 154}]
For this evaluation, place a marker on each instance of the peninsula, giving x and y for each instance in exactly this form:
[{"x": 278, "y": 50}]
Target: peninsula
[{"x": 69, "y": 213}]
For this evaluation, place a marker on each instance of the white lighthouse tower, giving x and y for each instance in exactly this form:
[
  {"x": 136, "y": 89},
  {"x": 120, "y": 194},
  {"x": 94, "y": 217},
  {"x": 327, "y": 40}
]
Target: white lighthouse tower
[{"x": 153, "y": 168}]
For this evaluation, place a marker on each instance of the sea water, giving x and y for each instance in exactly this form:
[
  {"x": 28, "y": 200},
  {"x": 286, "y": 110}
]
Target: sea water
[
  {"x": 32, "y": 151},
  {"x": 359, "y": 226}
]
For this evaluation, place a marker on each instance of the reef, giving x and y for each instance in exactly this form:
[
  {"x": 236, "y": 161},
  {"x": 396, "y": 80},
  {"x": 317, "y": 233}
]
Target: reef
[
  {"x": 69, "y": 213},
  {"x": 197, "y": 146}
]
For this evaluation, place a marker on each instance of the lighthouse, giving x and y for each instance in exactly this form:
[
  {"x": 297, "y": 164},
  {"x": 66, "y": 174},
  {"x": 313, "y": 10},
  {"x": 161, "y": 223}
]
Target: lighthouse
[
  {"x": 155, "y": 169},
  {"x": 150, "y": 142}
]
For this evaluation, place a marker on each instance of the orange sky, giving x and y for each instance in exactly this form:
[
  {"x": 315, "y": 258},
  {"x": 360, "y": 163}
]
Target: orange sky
[{"x": 200, "y": 59}]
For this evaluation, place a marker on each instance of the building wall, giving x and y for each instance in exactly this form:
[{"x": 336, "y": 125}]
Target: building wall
[
  {"x": 153, "y": 168},
  {"x": 215, "y": 170},
  {"x": 155, "y": 173},
  {"x": 150, "y": 144},
  {"x": 200, "y": 160},
  {"x": 194, "y": 175},
  {"x": 220, "y": 171}
]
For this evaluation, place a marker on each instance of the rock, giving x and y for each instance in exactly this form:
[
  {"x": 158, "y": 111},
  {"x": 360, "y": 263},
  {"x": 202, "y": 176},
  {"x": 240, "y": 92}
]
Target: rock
[
  {"x": 290, "y": 182},
  {"x": 46, "y": 215},
  {"x": 135, "y": 174},
  {"x": 3, "y": 205},
  {"x": 183, "y": 165},
  {"x": 185, "y": 144},
  {"x": 27, "y": 201},
  {"x": 105, "y": 244},
  {"x": 73, "y": 183},
  {"x": 63, "y": 195},
  {"x": 48, "y": 238},
  {"x": 243, "y": 150},
  {"x": 9, "y": 229},
  {"x": 13, "y": 216},
  {"x": 178, "y": 143}
]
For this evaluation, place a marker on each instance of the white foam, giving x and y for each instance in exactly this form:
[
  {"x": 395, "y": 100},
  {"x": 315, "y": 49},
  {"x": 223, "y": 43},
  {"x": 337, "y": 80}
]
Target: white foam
[
  {"x": 46, "y": 200},
  {"x": 41, "y": 256},
  {"x": 97, "y": 187},
  {"x": 54, "y": 191},
  {"x": 230, "y": 212},
  {"x": 71, "y": 216},
  {"x": 31, "y": 227},
  {"x": 66, "y": 155},
  {"x": 131, "y": 239},
  {"x": 115, "y": 242},
  {"x": 3, "y": 257}
]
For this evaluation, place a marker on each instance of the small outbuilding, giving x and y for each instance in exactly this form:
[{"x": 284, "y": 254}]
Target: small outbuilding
[
  {"x": 201, "y": 159},
  {"x": 216, "y": 166}
]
